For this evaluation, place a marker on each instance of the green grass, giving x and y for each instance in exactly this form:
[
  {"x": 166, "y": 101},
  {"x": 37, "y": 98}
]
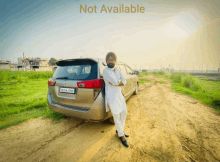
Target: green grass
[
  {"x": 162, "y": 82},
  {"x": 23, "y": 95},
  {"x": 204, "y": 90},
  {"x": 144, "y": 73},
  {"x": 160, "y": 74},
  {"x": 142, "y": 80}
]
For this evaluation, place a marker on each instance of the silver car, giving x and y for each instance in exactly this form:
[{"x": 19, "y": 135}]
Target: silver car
[{"x": 77, "y": 88}]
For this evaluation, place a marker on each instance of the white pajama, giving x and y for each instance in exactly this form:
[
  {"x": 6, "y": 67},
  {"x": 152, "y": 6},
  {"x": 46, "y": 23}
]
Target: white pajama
[
  {"x": 114, "y": 100},
  {"x": 119, "y": 120}
]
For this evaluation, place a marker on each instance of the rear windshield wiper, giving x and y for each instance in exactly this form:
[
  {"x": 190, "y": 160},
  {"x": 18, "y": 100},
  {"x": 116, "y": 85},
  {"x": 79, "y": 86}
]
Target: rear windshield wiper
[{"x": 62, "y": 78}]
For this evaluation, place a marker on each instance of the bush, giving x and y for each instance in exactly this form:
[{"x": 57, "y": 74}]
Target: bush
[
  {"x": 195, "y": 87},
  {"x": 177, "y": 78},
  {"x": 187, "y": 81}
]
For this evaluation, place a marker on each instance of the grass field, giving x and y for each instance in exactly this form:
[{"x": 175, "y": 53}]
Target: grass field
[
  {"x": 23, "y": 95},
  {"x": 204, "y": 90}
]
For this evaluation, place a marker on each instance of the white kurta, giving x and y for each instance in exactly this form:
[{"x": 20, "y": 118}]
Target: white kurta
[{"x": 114, "y": 97}]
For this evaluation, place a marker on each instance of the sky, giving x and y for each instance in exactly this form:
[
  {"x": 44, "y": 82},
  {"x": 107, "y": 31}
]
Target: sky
[{"x": 158, "y": 37}]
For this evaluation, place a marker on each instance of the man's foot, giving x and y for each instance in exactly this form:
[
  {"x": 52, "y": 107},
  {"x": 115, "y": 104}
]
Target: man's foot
[
  {"x": 124, "y": 141},
  {"x": 126, "y": 135}
]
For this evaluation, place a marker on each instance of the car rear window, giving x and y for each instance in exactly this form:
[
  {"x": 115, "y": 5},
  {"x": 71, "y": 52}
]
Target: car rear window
[{"x": 76, "y": 70}]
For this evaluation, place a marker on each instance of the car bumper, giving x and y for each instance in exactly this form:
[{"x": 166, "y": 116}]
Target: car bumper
[{"x": 95, "y": 113}]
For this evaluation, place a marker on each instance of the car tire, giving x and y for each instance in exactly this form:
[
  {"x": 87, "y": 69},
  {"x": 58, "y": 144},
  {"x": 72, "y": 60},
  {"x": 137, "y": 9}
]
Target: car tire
[
  {"x": 111, "y": 120},
  {"x": 136, "y": 89}
]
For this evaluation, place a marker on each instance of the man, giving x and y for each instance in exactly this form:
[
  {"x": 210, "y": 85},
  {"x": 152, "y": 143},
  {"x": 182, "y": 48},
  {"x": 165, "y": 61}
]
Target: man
[{"x": 114, "y": 80}]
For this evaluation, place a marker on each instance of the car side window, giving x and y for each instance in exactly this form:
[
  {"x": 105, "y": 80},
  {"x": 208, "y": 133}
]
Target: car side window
[
  {"x": 122, "y": 68},
  {"x": 128, "y": 69}
]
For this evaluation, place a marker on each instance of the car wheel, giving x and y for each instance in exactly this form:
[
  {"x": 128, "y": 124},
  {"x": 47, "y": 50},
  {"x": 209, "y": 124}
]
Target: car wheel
[
  {"x": 111, "y": 120},
  {"x": 136, "y": 89}
]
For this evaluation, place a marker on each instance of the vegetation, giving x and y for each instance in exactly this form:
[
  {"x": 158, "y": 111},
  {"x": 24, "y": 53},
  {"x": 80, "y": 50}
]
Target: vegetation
[
  {"x": 202, "y": 89},
  {"x": 142, "y": 80},
  {"x": 160, "y": 74},
  {"x": 162, "y": 82},
  {"x": 23, "y": 95},
  {"x": 144, "y": 73},
  {"x": 53, "y": 61}
]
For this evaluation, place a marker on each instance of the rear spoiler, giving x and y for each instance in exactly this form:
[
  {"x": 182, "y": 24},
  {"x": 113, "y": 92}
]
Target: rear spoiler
[{"x": 76, "y": 62}]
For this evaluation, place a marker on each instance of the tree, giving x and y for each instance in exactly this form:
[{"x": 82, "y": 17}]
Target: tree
[{"x": 52, "y": 61}]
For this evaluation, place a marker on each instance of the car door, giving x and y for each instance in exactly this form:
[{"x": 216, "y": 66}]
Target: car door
[
  {"x": 126, "y": 88},
  {"x": 132, "y": 77}
]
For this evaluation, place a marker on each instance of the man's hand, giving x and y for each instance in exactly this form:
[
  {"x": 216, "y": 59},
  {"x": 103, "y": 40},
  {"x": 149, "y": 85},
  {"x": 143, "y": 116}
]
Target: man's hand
[{"x": 120, "y": 83}]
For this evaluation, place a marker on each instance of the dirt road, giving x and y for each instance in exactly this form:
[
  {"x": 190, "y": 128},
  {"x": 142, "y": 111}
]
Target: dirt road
[{"x": 163, "y": 126}]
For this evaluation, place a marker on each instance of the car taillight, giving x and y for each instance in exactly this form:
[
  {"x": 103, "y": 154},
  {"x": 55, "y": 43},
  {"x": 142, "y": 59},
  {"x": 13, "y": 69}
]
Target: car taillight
[
  {"x": 51, "y": 82},
  {"x": 97, "y": 83}
]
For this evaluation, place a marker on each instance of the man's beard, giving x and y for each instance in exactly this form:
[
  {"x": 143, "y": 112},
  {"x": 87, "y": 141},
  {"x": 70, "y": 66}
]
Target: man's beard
[{"x": 111, "y": 65}]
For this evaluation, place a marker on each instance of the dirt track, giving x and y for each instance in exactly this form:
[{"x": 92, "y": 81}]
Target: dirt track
[{"x": 163, "y": 126}]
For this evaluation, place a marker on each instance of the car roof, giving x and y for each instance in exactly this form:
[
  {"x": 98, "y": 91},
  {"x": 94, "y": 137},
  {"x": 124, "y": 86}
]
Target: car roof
[{"x": 100, "y": 60}]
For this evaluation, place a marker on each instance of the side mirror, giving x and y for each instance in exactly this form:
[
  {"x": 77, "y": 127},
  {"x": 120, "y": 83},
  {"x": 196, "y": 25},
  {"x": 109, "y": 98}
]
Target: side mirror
[{"x": 135, "y": 72}]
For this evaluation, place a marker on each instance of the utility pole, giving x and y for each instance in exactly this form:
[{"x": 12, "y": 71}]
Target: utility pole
[
  {"x": 172, "y": 66},
  {"x": 202, "y": 68},
  {"x": 214, "y": 67},
  {"x": 193, "y": 66},
  {"x": 219, "y": 67},
  {"x": 181, "y": 68},
  {"x": 206, "y": 68},
  {"x": 169, "y": 68}
]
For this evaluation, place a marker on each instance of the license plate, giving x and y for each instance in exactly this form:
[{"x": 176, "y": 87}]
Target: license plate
[{"x": 67, "y": 90}]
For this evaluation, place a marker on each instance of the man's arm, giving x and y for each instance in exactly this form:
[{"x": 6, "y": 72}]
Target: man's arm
[
  {"x": 110, "y": 78},
  {"x": 123, "y": 80}
]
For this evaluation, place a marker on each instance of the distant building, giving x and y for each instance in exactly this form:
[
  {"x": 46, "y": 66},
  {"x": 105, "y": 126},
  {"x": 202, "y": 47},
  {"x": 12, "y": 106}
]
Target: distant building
[
  {"x": 5, "y": 65},
  {"x": 14, "y": 66},
  {"x": 33, "y": 64}
]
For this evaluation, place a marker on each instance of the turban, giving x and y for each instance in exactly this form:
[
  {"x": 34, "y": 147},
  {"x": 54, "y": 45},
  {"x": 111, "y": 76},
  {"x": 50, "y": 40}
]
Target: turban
[{"x": 111, "y": 54}]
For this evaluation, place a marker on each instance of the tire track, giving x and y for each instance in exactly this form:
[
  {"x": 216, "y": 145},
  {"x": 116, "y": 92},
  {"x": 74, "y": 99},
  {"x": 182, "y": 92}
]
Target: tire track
[{"x": 51, "y": 140}]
